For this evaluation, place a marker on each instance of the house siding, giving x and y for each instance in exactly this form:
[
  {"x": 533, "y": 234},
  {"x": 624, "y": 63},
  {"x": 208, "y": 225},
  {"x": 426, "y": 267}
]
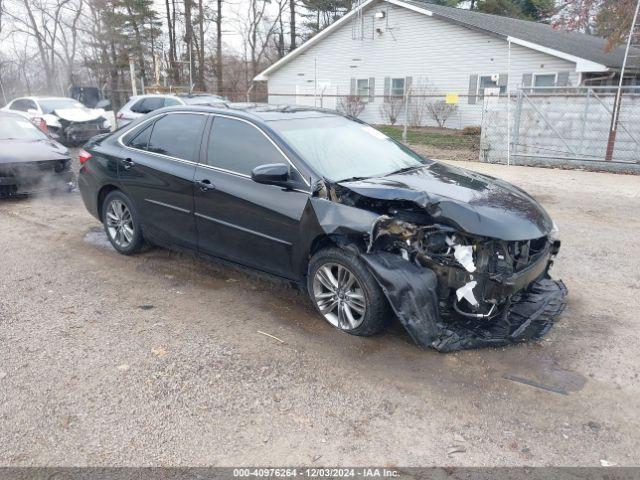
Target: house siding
[{"x": 431, "y": 51}]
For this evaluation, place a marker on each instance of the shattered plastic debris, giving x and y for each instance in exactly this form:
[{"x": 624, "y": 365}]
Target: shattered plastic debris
[
  {"x": 466, "y": 292},
  {"x": 530, "y": 316},
  {"x": 463, "y": 254}
]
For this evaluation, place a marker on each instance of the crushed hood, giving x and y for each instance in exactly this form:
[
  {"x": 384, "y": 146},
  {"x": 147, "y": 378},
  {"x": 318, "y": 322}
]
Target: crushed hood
[
  {"x": 471, "y": 202},
  {"x": 79, "y": 114},
  {"x": 22, "y": 151}
]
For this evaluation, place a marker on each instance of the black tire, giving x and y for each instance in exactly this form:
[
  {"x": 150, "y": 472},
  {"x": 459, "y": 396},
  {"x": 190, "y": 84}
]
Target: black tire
[
  {"x": 137, "y": 240},
  {"x": 377, "y": 311}
]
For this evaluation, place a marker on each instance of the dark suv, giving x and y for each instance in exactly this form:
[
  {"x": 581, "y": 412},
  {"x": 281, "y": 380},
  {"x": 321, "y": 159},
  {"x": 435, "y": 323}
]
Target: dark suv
[{"x": 358, "y": 220}]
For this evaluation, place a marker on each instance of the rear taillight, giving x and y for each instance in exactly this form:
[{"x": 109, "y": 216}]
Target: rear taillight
[
  {"x": 40, "y": 123},
  {"x": 83, "y": 156}
]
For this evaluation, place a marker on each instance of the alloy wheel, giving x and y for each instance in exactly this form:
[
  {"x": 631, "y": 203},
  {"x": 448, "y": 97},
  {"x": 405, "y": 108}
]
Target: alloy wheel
[
  {"x": 339, "y": 296},
  {"x": 119, "y": 223}
]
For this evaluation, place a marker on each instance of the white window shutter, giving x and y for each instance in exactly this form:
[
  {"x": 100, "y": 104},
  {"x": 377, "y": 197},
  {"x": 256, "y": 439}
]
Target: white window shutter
[
  {"x": 563, "y": 79},
  {"x": 372, "y": 89},
  {"x": 408, "y": 81}
]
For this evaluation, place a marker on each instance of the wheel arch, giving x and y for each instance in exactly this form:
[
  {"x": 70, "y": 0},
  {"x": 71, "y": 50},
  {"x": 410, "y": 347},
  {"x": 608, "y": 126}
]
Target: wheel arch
[
  {"x": 102, "y": 194},
  {"x": 325, "y": 241}
]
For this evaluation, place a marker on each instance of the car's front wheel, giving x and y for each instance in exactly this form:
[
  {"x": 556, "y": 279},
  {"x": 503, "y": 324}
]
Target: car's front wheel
[
  {"x": 121, "y": 223},
  {"x": 345, "y": 293}
]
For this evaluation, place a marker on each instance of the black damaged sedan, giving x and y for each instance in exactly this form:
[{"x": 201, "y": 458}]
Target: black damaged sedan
[
  {"x": 368, "y": 227},
  {"x": 30, "y": 161}
]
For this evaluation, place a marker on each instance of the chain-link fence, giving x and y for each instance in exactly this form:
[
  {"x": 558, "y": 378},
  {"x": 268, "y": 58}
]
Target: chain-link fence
[
  {"x": 551, "y": 126},
  {"x": 415, "y": 109},
  {"x": 565, "y": 126}
]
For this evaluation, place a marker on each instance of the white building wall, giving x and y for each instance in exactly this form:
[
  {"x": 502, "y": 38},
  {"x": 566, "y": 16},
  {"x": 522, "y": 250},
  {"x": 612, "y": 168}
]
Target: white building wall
[{"x": 429, "y": 49}]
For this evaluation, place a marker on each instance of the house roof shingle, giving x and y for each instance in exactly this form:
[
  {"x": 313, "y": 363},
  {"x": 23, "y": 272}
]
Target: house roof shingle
[{"x": 578, "y": 44}]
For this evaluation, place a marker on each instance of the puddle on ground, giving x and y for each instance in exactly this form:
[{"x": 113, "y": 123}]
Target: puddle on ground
[
  {"x": 541, "y": 370},
  {"x": 98, "y": 238}
]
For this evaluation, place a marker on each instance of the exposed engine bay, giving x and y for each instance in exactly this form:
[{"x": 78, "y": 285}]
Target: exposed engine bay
[{"x": 453, "y": 289}]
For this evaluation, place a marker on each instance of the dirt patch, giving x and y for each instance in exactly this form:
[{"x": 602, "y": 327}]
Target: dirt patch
[{"x": 459, "y": 154}]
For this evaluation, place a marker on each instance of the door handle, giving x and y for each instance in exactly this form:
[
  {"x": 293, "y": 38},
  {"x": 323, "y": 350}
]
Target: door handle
[
  {"x": 205, "y": 185},
  {"x": 127, "y": 163}
]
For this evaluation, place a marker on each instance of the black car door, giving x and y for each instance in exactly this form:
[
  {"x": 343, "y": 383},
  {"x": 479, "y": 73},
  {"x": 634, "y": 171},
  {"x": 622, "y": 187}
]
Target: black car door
[
  {"x": 237, "y": 218},
  {"x": 156, "y": 170}
]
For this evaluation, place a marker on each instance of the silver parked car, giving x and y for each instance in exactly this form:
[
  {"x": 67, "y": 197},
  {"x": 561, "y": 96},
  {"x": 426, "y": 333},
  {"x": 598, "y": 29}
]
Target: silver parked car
[{"x": 140, "y": 105}]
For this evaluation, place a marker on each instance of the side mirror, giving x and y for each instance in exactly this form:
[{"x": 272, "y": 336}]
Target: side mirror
[{"x": 271, "y": 174}]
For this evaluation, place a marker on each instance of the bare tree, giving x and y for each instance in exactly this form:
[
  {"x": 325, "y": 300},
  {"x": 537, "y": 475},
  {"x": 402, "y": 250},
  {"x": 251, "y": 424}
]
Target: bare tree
[
  {"x": 258, "y": 29},
  {"x": 201, "y": 84},
  {"x": 219, "y": 64},
  {"x": 391, "y": 108},
  {"x": 422, "y": 92},
  {"x": 292, "y": 25},
  {"x": 441, "y": 111},
  {"x": 351, "y": 105},
  {"x": 188, "y": 38}
]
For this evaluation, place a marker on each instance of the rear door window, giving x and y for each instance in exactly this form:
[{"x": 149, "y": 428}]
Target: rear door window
[
  {"x": 239, "y": 147},
  {"x": 177, "y": 135}
]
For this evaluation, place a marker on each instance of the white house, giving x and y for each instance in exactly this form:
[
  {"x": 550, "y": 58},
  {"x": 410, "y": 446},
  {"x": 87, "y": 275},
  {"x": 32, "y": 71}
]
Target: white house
[{"x": 383, "y": 47}]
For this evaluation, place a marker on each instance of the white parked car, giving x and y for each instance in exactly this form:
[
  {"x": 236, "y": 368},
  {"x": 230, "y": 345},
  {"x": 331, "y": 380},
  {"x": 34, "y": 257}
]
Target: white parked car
[
  {"x": 66, "y": 119},
  {"x": 140, "y": 105}
]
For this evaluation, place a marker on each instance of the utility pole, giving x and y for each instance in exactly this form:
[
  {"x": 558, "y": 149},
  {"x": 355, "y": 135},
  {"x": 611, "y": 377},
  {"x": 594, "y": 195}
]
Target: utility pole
[
  {"x": 132, "y": 72},
  {"x": 611, "y": 144}
]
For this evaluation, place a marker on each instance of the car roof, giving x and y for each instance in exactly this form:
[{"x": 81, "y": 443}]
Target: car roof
[
  {"x": 47, "y": 98},
  {"x": 259, "y": 111}
]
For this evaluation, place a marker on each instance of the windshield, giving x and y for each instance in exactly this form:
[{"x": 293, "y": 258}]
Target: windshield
[
  {"x": 12, "y": 128},
  {"x": 49, "y": 105},
  {"x": 341, "y": 149}
]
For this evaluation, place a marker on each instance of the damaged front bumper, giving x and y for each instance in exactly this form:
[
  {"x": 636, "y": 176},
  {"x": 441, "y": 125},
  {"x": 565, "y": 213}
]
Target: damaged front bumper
[
  {"x": 76, "y": 133},
  {"x": 415, "y": 296}
]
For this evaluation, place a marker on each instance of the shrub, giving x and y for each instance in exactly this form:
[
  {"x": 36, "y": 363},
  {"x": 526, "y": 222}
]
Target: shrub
[
  {"x": 351, "y": 105},
  {"x": 472, "y": 130},
  {"x": 440, "y": 111},
  {"x": 392, "y": 108}
]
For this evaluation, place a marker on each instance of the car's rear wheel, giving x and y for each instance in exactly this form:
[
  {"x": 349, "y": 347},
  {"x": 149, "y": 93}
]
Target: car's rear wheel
[
  {"x": 121, "y": 223},
  {"x": 345, "y": 293}
]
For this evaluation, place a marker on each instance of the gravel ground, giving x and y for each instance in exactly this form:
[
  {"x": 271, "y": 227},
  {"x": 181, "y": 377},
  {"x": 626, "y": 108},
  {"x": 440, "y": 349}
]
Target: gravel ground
[{"x": 157, "y": 359}]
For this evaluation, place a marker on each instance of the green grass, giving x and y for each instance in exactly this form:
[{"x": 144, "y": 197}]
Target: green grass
[{"x": 442, "y": 139}]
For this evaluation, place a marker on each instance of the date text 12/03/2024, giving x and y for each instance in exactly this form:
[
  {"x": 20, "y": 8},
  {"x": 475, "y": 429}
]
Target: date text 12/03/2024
[{"x": 316, "y": 472}]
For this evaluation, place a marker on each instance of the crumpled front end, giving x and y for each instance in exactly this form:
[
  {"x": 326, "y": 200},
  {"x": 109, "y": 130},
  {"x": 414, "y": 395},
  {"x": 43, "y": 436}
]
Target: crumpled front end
[
  {"x": 454, "y": 293},
  {"x": 452, "y": 288},
  {"x": 79, "y": 132}
]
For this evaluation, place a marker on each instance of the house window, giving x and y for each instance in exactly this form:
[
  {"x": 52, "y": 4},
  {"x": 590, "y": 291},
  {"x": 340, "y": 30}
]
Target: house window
[
  {"x": 362, "y": 88},
  {"x": 489, "y": 82},
  {"x": 397, "y": 87},
  {"x": 544, "y": 80}
]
